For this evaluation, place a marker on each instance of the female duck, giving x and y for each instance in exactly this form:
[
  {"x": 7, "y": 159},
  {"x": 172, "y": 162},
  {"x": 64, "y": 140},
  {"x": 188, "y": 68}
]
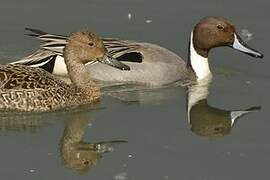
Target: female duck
[
  {"x": 149, "y": 63},
  {"x": 33, "y": 89}
]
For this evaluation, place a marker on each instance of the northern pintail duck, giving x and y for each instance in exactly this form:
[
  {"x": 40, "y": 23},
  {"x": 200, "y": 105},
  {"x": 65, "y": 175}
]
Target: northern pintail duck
[
  {"x": 149, "y": 63},
  {"x": 26, "y": 88}
]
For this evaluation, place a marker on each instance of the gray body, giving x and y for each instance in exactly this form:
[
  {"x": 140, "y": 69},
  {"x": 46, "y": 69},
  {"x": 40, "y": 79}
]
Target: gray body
[{"x": 158, "y": 67}]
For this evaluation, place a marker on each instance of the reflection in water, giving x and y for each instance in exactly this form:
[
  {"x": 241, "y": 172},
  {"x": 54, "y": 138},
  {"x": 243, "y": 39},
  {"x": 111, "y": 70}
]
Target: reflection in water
[
  {"x": 75, "y": 153},
  {"x": 21, "y": 122},
  {"x": 206, "y": 120},
  {"x": 142, "y": 94}
]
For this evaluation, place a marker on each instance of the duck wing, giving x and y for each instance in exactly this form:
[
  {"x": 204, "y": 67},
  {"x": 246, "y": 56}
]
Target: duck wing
[
  {"x": 24, "y": 88},
  {"x": 37, "y": 59},
  {"x": 19, "y": 77},
  {"x": 56, "y": 43},
  {"x": 53, "y": 45},
  {"x": 123, "y": 50}
]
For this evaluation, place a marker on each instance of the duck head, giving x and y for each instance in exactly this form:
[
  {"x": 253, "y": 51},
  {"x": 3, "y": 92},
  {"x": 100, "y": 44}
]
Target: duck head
[
  {"x": 213, "y": 32},
  {"x": 87, "y": 47}
]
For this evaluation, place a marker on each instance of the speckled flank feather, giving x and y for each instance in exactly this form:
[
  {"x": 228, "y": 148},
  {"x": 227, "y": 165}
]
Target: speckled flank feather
[{"x": 33, "y": 89}]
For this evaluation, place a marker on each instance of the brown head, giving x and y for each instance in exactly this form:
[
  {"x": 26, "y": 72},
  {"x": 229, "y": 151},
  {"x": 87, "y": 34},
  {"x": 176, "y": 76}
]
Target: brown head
[
  {"x": 86, "y": 47},
  {"x": 211, "y": 32}
]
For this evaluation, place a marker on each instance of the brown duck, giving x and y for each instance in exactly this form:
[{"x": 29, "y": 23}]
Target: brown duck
[{"x": 33, "y": 89}]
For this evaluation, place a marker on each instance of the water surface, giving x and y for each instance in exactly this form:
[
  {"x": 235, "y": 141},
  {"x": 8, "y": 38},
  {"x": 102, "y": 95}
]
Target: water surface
[{"x": 160, "y": 143}]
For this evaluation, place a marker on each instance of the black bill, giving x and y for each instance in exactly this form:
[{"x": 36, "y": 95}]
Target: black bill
[{"x": 109, "y": 60}]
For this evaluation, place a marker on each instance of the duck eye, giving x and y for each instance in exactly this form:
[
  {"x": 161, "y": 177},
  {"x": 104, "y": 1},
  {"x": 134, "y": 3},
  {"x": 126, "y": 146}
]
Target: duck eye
[
  {"x": 86, "y": 163},
  {"x": 220, "y": 27},
  {"x": 91, "y": 44}
]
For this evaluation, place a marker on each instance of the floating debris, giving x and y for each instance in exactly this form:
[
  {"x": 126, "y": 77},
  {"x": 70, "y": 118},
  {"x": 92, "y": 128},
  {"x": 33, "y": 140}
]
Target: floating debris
[
  {"x": 110, "y": 149},
  {"x": 121, "y": 176},
  {"x": 246, "y": 34},
  {"x": 130, "y": 156},
  {"x": 89, "y": 125},
  {"x": 31, "y": 170},
  {"x": 129, "y": 16},
  {"x": 148, "y": 21}
]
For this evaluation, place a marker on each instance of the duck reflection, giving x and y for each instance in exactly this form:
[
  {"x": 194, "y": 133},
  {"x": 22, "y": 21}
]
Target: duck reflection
[
  {"x": 206, "y": 120},
  {"x": 74, "y": 152},
  {"x": 21, "y": 122},
  {"x": 77, "y": 154}
]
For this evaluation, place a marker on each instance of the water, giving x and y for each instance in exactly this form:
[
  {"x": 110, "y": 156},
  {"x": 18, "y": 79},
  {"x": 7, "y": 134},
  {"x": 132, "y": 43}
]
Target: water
[{"x": 160, "y": 143}]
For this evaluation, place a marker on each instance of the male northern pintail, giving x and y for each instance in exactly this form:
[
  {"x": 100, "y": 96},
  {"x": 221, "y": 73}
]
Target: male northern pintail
[
  {"x": 149, "y": 63},
  {"x": 26, "y": 88}
]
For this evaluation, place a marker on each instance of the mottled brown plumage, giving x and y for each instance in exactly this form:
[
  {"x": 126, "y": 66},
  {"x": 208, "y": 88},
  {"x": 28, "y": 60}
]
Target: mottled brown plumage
[{"x": 33, "y": 89}]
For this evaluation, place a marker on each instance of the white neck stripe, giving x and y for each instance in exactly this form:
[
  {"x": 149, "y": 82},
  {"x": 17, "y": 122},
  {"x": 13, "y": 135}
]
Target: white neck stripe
[{"x": 198, "y": 63}]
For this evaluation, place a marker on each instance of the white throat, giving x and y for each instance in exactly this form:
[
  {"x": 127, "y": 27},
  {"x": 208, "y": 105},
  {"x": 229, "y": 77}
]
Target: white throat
[{"x": 199, "y": 63}]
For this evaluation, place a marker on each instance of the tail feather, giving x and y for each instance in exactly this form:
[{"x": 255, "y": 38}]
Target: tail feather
[
  {"x": 44, "y": 36},
  {"x": 56, "y": 47},
  {"x": 38, "y": 57},
  {"x": 52, "y": 37},
  {"x": 36, "y": 32}
]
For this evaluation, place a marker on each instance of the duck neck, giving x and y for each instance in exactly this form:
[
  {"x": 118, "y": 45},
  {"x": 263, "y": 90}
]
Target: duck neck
[
  {"x": 77, "y": 71},
  {"x": 198, "y": 62}
]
